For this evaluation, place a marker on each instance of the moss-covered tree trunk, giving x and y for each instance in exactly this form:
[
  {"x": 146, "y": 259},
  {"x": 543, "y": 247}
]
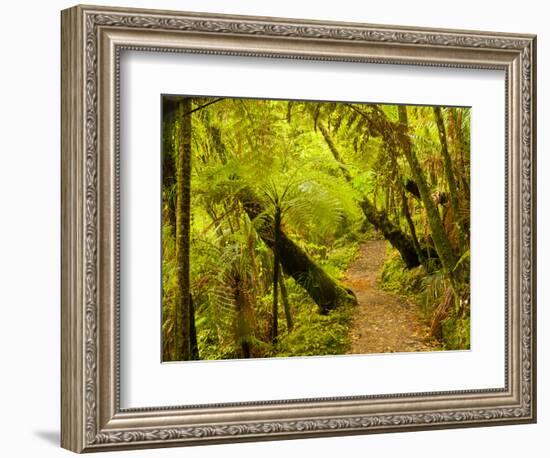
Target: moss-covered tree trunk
[
  {"x": 409, "y": 249},
  {"x": 449, "y": 174},
  {"x": 322, "y": 288},
  {"x": 182, "y": 322},
  {"x": 456, "y": 134},
  {"x": 334, "y": 151},
  {"x": 440, "y": 239},
  {"x": 398, "y": 239},
  {"x": 422, "y": 256}
]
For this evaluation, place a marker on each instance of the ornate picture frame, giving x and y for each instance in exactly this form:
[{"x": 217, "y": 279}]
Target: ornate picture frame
[{"x": 92, "y": 41}]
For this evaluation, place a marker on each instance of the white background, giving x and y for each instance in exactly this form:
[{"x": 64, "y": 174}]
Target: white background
[
  {"x": 29, "y": 242},
  {"x": 146, "y": 75}
]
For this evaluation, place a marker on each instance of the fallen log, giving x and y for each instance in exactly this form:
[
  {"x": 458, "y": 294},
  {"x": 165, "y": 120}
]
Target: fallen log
[
  {"x": 401, "y": 241},
  {"x": 327, "y": 292}
]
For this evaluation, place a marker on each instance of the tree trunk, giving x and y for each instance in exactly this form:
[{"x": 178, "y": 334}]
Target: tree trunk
[
  {"x": 441, "y": 241},
  {"x": 193, "y": 330},
  {"x": 183, "y": 206},
  {"x": 275, "y": 308},
  {"x": 405, "y": 208},
  {"x": 334, "y": 151},
  {"x": 412, "y": 229},
  {"x": 242, "y": 331},
  {"x": 456, "y": 134},
  {"x": 449, "y": 173},
  {"x": 398, "y": 239},
  {"x": 168, "y": 178},
  {"x": 379, "y": 219},
  {"x": 322, "y": 288},
  {"x": 286, "y": 304}
]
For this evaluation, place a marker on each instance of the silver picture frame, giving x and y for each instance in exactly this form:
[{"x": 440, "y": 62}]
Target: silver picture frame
[{"x": 92, "y": 39}]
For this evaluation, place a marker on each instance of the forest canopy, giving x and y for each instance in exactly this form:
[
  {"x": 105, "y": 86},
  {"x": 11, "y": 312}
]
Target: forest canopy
[{"x": 303, "y": 228}]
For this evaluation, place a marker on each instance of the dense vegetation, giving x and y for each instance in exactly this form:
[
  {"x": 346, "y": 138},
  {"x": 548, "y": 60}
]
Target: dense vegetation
[{"x": 265, "y": 204}]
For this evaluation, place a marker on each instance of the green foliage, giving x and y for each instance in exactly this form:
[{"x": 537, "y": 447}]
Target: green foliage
[
  {"x": 395, "y": 277},
  {"x": 429, "y": 291},
  {"x": 278, "y": 150},
  {"x": 456, "y": 333},
  {"x": 317, "y": 335},
  {"x": 339, "y": 258}
]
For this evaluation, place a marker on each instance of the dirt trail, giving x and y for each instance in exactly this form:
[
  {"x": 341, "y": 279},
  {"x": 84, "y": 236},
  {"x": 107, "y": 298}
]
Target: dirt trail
[{"x": 383, "y": 322}]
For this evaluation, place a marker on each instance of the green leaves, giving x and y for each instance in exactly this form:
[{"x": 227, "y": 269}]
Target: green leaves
[
  {"x": 312, "y": 164},
  {"x": 318, "y": 334}
]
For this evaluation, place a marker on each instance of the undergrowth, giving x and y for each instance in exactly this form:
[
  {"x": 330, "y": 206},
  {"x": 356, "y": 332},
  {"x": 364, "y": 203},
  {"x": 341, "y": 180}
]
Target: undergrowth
[
  {"x": 312, "y": 334},
  {"x": 431, "y": 292},
  {"x": 315, "y": 334}
]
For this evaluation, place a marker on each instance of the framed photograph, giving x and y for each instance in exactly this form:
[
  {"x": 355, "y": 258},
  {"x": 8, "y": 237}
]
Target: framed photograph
[{"x": 277, "y": 228}]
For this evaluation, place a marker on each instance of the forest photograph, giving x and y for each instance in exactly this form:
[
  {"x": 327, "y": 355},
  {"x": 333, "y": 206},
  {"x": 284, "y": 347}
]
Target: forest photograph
[{"x": 313, "y": 228}]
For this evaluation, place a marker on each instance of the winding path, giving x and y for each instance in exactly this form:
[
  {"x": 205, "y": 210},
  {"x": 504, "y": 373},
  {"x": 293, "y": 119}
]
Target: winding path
[{"x": 383, "y": 322}]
